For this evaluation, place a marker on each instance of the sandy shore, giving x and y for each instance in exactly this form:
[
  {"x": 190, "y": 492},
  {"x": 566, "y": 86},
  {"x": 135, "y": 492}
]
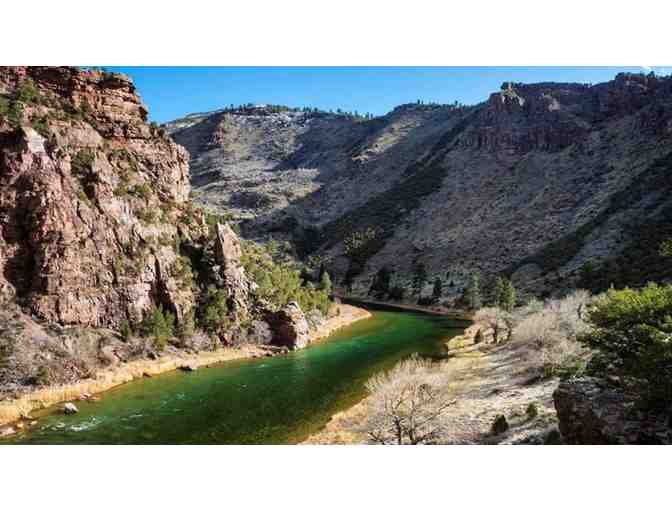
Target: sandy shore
[
  {"x": 347, "y": 315},
  {"x": 19, "y": 409}
]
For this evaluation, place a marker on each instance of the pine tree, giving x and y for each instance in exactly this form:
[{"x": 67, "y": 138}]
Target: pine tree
[
  {"x": 380, "y": 286},
  {"x": 125, "y": 331},
  {"x": 159, "y": 325},
  {"x": 508, "y": 296},
  {"x": 437, "y": 292},
  {"x": 498, "y": 292},
  {"x": 325, "y": 283},
  {"x": 419, "y": 278},
  {"x": 473, "y": 293}
]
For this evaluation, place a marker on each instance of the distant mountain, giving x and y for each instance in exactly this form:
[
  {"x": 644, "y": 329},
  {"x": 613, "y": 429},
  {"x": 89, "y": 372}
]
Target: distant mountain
[{"x": 554, "y": 184}]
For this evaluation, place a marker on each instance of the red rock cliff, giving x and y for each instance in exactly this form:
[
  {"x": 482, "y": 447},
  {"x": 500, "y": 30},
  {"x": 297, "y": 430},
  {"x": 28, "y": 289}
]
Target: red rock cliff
[{"x": 92, "y": 199}]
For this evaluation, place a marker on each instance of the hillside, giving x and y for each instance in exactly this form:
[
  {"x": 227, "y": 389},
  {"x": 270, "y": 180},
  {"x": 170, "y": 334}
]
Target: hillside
[{"x": 537, "y": 182}]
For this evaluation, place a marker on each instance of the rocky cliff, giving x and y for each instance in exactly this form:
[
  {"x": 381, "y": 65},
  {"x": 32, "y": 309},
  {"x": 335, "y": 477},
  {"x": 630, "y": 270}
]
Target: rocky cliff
[
  {"x": 92, "y": 199},
  {"x": 540, "y": 182},
  {"x": 101, "y": 248}
]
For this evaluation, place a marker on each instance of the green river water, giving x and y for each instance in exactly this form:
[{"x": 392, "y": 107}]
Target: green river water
[{"x": 275, "y": 400}]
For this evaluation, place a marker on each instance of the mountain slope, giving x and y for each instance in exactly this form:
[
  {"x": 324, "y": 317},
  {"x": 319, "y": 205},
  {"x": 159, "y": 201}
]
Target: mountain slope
[{"x": 534, "y": 182}]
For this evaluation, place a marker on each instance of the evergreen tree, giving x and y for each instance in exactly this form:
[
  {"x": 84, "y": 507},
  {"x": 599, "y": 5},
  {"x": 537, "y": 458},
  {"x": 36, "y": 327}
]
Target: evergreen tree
[
  {"x": 437, "y": 292},
  {"x": 419, "y": 278},
  {"x": 473, "y": 293},
  {"x": 125, "y": 330},
  {"x": 498, "y": 292},
  {"x": 159, "y": 325},
  {"x": 325, "y": 283},
  {"x": 508, "y": 296},
  {"x": 380, "y": 286}
]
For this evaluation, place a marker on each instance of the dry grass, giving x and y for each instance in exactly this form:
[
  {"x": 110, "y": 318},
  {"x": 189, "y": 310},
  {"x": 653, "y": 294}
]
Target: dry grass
[
  {"x": 106, "y": 379},
  {"x": 109, "y": 378}
]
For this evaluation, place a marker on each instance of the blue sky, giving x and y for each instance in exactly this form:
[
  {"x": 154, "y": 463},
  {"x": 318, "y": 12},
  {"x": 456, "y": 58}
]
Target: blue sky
[{"x": 172, "y": 92}]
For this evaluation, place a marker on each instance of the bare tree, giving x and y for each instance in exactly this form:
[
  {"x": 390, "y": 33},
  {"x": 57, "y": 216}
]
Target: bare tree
[
  {"x": 408, "y": 404},
  {"x": 498, "y": 319}
]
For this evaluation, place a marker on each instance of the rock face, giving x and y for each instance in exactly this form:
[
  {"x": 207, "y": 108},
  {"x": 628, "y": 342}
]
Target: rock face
[
  {"x": 96, "y": 226},
  {"x": 289, "y": 326},
  {"x": 592, "y": 412},
  {"x": 91, "y": 198},
  {"x": 534, "y": 182},
  {"x": 230, "y": 272}
]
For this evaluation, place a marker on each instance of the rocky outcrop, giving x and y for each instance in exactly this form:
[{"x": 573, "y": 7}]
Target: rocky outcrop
[
  {"x": 290, "y": 327},
  {"x": 230, "y": 273},
  {"x": 592, "y": 411}
]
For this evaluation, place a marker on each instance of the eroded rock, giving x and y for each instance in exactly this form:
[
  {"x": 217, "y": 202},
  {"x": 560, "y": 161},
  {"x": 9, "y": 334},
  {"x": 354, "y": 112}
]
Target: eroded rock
[{"x": 290, "y": 327}]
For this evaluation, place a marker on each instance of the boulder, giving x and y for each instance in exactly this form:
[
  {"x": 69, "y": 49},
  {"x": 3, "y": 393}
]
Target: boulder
[
  {"x": 7, "y": 431},
  {"x": 70, "y": 408},
  {"x": 591, "y": 411},
  {"x": 289, "y": 326}
]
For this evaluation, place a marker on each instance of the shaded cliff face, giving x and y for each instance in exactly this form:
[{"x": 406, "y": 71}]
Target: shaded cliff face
[
  {"x": 534, "y": 182},
  {"x": 92, "y": 199}
]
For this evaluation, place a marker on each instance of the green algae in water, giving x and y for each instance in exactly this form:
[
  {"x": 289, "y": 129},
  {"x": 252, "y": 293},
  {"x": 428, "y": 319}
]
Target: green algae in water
[{"x": 262, "y": 401}]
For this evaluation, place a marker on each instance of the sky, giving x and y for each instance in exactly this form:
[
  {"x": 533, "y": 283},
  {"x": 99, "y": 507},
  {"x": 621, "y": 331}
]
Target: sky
[{"x": 172, "y": 92}]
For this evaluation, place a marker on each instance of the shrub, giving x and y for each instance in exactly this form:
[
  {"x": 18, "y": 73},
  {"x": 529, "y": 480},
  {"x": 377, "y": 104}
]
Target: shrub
[
  {"x": 553, "y": 332},
  {"x": 12, "y": 111},
  {"x": 187, "y": 326},
  {"x": 632, "y": 332},
  {"x": 41, "y": 126},
  {"x": 82, "y": 161},
  {"x": 140, "y": 190},
  {"x": 408, "y": 404},
  {"x": 500, "y": 425},
  {"x": 214, "y": 317},
  {"x": 532, "y": 410},
  {"x": 27, "y": 92},
  {"x": 497, "y": 319},
  {"x": 158, "y": 325},
  {"x": 125, "y": 330}
]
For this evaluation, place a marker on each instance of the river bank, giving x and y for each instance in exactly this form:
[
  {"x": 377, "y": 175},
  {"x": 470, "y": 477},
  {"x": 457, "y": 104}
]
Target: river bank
[
  {"x": 450, "y": 313},
  {"x": 17, "y": 411},
  {"x": 486, "y": 380}
]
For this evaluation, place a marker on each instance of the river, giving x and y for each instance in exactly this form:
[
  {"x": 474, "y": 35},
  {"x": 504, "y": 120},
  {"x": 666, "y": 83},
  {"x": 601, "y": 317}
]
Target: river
[{"x": 275, "y": 400}]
